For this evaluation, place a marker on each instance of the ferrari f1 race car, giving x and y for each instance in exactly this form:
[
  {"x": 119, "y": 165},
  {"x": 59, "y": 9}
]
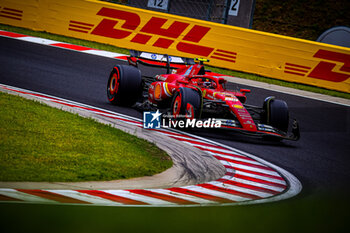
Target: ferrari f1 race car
[{"x": 187, "y": 91}]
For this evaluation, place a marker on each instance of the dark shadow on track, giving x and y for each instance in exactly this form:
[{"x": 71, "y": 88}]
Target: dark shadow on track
[{"x": 238, "y": 137}]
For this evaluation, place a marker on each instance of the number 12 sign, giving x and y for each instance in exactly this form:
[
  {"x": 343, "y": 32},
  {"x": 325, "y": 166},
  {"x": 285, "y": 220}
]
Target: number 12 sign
[{"x": 159, "y": 4}]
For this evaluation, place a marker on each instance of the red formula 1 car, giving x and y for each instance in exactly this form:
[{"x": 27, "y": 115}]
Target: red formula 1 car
[{"x": 188, "y": 90}]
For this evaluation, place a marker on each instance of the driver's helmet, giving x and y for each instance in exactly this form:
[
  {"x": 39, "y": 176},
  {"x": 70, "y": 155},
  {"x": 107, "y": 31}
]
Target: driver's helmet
[{"x": 209, "y": 84}]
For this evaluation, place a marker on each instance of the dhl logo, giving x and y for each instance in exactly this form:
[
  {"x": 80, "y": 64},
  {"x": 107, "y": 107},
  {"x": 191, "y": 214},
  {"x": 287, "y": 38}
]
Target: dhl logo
[
  {"x": 324, "y": 70},
  {"x": 155, "y": 27},
  {"x": 119, "y": 24}
]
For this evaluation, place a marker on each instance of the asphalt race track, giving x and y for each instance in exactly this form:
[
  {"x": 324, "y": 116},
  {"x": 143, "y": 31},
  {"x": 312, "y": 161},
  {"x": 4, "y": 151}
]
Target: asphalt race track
[{"x": 320, "y": 159}]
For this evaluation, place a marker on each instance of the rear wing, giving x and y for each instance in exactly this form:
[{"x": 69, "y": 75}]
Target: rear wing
[{"x": 158, "y": 60}]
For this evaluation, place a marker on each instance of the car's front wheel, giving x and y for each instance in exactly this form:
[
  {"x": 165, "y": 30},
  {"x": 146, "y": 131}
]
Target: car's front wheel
[{"x": 276, "y": 113}]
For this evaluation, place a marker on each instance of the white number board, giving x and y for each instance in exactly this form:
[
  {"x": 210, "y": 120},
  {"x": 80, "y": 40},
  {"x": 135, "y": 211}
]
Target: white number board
[
  {"x": 234, "y": 7},
  {"x": 159, "y": 4}
]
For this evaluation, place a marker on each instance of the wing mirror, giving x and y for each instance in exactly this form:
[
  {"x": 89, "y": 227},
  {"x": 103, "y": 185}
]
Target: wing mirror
[{"x": 244, "y": 91}]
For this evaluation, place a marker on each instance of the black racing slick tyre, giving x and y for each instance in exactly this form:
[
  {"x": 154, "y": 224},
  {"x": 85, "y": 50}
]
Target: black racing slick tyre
[
  {"x": 124, "y": 85},
  {"x": 276, "y": 113},
  {"x": 186, "y": 104}
]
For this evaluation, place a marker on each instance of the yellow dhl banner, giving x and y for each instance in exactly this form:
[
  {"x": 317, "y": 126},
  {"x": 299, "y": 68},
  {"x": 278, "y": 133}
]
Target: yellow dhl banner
[{"x": 226, "y": 46}]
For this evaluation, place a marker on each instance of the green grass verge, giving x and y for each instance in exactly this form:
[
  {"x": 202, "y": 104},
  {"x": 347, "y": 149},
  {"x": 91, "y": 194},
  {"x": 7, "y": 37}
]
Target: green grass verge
[
  {"x": 111, "y": 48},
  {"x": 41, "y": 143}
]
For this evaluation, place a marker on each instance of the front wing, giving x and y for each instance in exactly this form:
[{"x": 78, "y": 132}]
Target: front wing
[{"x": 262, "y": 130}]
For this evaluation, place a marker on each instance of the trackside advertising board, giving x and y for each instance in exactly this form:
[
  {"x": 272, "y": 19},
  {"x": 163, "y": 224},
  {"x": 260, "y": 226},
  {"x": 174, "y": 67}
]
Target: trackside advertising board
[{"x": 226, "y": 46}]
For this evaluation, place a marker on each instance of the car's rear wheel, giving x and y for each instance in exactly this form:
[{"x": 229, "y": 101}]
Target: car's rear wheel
[
  {"x": 124, "y": 85},
  {"x": 186, "y": 104},
  {"x": 276, "y": 113}
]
